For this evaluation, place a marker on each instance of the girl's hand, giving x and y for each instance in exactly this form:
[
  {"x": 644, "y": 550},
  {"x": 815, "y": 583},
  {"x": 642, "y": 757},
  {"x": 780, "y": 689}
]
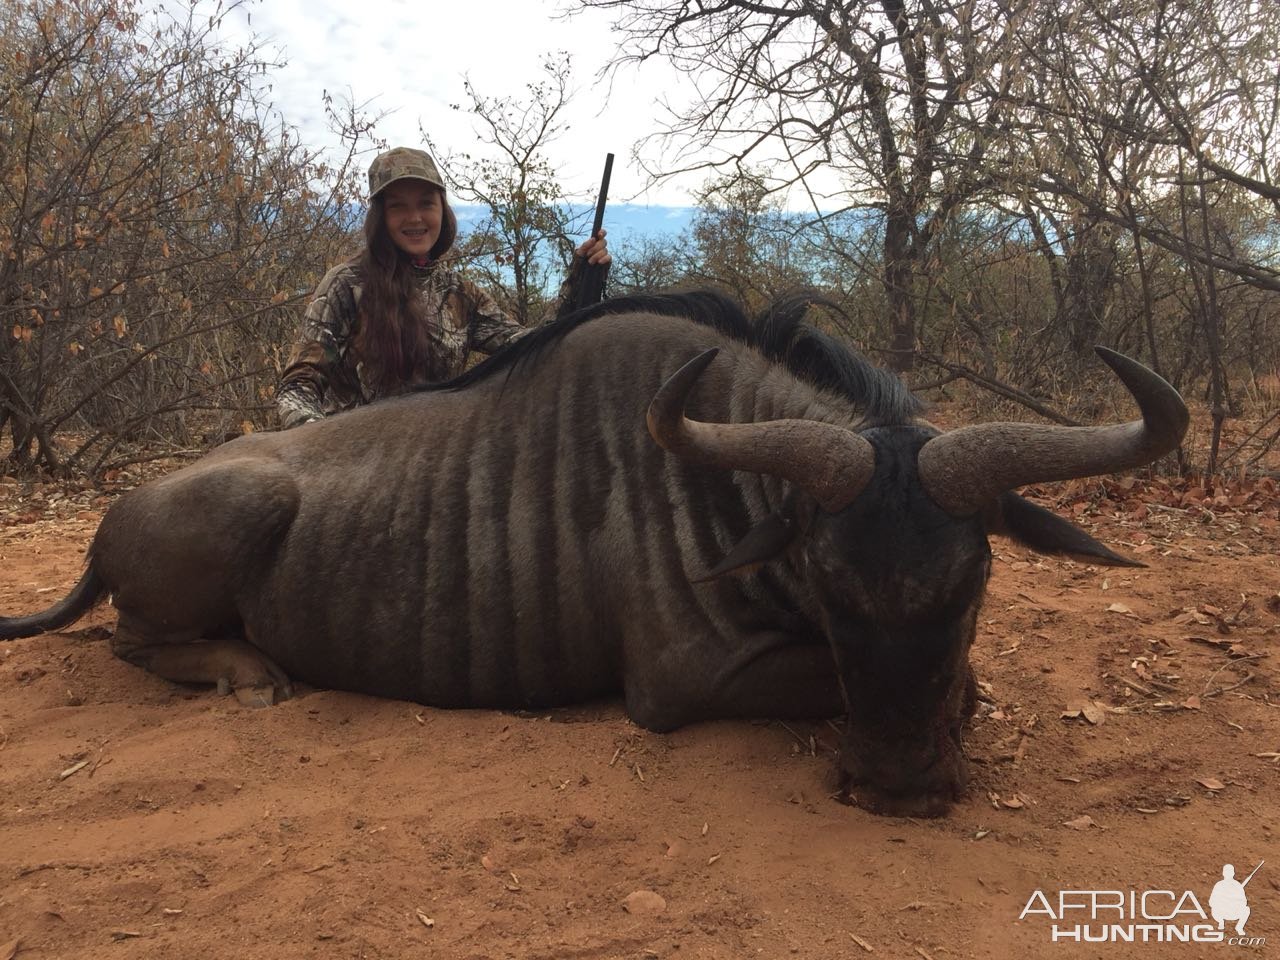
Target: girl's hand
[{"x": 595, "y": 250}]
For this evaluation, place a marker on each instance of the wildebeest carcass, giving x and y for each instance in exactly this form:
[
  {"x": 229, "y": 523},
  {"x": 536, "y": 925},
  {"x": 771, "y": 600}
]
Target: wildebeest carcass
[{"x": 798, "y": 542}]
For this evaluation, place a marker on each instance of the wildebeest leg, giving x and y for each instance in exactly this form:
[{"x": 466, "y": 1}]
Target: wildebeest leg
[
  {"x": 180, "y": 555},
  {"x": 231, "y": 663},
  {"x": 778, "y": 681},
  {"x": 789, "y": 682}
]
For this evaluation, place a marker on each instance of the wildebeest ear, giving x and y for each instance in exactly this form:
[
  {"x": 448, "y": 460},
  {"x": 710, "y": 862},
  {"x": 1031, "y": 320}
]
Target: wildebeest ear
[
  {"x": 1046, "y": 532},
  {"x": 768, "y": 539}
]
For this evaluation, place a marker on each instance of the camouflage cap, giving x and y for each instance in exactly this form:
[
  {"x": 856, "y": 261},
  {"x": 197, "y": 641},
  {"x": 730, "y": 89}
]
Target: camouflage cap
[{"x": 402, "y": 163}]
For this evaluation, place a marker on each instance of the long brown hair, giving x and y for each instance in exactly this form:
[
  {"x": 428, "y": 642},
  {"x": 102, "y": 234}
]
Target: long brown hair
[{"x": 392, "y": 335}]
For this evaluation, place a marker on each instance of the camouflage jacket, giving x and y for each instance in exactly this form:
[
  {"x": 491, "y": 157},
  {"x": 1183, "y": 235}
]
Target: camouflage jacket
[{"x": 326, "y": 374}]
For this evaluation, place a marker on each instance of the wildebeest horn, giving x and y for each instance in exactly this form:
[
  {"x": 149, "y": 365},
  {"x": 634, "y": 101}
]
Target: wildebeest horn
[
  {"x": 830, "y": 462},
  {"x": 966, "y": 469}
]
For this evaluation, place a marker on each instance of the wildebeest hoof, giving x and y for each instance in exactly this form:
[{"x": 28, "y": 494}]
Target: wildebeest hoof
[
  {"x": 252, "y": 677},
  {"x": 267, "y": 695},
  {"x": 245, "y": 671}
]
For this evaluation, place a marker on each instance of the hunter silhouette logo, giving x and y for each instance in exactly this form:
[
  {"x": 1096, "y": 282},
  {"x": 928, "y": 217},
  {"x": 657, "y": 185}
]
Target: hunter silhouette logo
[
  {"x": 1228, "y": 900},
  {"x": 1147, "y": 916}
]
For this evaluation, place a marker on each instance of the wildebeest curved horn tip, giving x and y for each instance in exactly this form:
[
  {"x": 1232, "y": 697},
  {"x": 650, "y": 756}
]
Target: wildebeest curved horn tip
[
  {"x": 966, "y": 468},
  {"x": 668, "y": 403},
  {"x": 1159, "y": 402},
  {"x": 831, "y": 462}
]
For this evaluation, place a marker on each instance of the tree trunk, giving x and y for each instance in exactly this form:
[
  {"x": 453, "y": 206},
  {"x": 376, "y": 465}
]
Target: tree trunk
[{"x": 899, "y": 271}]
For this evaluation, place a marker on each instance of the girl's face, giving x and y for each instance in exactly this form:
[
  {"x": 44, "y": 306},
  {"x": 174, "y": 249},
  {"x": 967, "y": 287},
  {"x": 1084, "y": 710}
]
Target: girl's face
[{"x": 413, "y": 212}]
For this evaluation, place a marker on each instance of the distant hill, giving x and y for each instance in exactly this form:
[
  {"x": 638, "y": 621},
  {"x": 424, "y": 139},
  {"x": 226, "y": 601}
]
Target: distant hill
[{"x": 623, "y": 221}]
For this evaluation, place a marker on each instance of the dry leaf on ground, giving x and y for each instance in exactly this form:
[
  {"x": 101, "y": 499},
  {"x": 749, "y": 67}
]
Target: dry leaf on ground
[{"x": 1091, "y": 710}]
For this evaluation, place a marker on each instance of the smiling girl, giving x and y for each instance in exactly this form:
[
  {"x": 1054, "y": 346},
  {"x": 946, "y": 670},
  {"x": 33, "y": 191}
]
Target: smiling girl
[{"x": 394, "y": 317}]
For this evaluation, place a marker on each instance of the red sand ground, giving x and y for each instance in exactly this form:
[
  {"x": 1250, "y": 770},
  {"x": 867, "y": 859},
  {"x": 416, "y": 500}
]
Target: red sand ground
[{"x": 337, "y": 825}]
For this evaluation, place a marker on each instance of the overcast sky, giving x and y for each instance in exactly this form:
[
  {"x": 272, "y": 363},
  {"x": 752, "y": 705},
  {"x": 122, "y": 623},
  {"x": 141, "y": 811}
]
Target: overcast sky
[{"x": 408, "y": 60}]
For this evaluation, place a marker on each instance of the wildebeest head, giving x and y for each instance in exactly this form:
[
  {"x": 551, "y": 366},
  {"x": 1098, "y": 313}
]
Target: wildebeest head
[{"x": 890, "y": 525}]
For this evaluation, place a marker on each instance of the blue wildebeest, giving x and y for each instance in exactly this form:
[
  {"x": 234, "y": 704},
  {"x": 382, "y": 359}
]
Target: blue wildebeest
[{"x": 797, "y": 542}]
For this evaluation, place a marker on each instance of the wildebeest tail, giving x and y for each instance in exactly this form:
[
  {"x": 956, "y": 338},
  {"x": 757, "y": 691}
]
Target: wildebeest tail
[{"x": 66, "y": 611}]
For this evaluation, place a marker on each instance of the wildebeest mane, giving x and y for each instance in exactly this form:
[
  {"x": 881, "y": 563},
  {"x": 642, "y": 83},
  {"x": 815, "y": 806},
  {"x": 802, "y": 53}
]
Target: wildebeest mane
[{"x": 780, "y": 333}]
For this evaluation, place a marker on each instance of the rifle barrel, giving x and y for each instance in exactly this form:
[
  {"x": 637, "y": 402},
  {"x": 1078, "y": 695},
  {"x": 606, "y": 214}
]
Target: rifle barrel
[{"x": 604, "y": 194}]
